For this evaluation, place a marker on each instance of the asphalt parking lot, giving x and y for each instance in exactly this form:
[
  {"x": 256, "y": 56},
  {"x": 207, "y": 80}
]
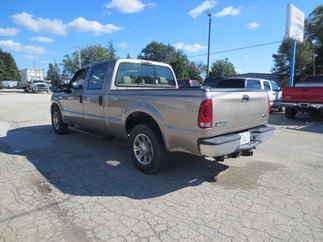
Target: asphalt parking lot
[{"x": 80, "y": 187}]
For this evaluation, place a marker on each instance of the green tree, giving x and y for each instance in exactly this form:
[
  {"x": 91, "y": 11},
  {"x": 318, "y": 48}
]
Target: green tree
[
  {"x": 314, "y": 33},
  {"x": 8, "y": 67},
  {"x": 2, "y": 69},
  {"x": 183, "y": 68},
  {"x": 89, "y": 55},
  {"x": 222, "y": 68},
  {"x": 303, "y": 60},
  {"x": 53, "y": 74}
]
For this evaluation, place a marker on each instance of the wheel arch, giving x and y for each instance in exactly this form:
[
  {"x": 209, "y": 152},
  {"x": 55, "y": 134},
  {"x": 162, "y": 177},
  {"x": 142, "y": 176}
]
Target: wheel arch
[{"x": 140, "y": 117}]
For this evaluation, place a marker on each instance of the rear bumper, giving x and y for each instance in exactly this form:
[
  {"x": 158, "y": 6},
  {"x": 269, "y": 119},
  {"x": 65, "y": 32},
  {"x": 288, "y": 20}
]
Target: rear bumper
[
  {"x": 229, "y": 144},
  {"x": 302, "y": 105}
]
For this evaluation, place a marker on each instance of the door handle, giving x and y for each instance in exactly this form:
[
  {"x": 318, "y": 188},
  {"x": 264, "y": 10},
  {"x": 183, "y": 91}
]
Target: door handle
[
  {"x": 100, "y": 100},
  {"x": 81, "y": 99},
  {"x": 245, "y": 98}
]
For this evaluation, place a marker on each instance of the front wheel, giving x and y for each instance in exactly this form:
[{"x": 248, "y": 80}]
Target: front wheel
[
  {"x": 57, "y": 121},
  {"x": 147, "y": 150}
]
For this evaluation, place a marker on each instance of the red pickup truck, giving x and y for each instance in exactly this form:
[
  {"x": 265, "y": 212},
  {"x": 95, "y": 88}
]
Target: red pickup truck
[{"x": 306, "y": 96}]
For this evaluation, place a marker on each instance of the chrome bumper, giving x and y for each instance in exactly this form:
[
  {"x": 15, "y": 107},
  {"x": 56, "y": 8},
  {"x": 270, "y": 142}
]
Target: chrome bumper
[
  {"x": 229, "y": 144},
  {"x": 301, "y": 105}
]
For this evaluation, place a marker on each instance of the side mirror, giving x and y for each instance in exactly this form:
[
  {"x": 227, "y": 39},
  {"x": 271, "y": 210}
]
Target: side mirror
[{"x": 77, "y": 86}]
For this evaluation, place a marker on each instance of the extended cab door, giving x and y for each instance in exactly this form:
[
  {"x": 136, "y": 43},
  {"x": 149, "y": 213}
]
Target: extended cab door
[
  {"x": 73, "y": 102},
  {"x": 95, "y": 97}
]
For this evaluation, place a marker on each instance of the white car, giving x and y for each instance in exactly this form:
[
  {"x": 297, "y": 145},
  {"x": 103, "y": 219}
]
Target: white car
[{"x": 37, "y": 87}]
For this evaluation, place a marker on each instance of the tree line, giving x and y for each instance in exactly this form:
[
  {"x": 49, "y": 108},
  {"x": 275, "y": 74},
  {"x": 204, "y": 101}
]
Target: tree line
[
  {"x": 154, "y": 51},
  {"x": 309, "y": 57},
  {"x": 8, "y": 67}
]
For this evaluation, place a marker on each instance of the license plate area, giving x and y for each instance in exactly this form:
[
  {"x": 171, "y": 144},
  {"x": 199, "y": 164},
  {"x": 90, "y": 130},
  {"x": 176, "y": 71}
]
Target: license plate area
[{"x": 244, "y": 138}]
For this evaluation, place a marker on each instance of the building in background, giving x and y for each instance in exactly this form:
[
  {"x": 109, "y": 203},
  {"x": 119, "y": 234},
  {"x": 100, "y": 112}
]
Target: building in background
[{"x": 31, "y": 74}]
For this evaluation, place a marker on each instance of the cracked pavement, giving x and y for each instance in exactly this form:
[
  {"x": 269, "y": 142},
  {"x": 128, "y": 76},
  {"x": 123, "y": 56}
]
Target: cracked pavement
[{"x": 79, "y": 187}]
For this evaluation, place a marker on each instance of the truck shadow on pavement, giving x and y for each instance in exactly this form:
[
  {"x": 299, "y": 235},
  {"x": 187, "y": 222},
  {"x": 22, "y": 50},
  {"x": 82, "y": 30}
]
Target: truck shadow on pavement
[
  {"x": 302, "y": 122},
  {"x": 84, "y": 165}
]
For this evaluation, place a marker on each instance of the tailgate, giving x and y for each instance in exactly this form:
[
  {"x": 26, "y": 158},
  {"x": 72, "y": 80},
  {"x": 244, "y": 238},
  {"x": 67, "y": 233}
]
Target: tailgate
[
  {"x": 235, "y": 111},
  {"x": 303, "y": 94}
]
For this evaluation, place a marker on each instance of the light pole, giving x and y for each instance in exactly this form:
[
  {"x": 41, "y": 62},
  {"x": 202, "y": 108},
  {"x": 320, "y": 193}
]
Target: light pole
[{"x": 209, "y": 43}]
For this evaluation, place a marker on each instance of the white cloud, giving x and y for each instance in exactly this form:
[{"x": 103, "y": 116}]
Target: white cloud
[
  {"x": 208, "y": 4},
  {"x": 54, "y": 26},
  {"x": 228, "y": 11},
  {"x": 253, "y": 25},
  {"x": 42, "y": 39},
  {"x": 83, "y": 25},
  {"x": 8, "y": 31},
  {"x": 123, "y": 45},
  {"x": 129, "y": 6},
  {"x": 190, "y": 48},
  {"x": 30, "y": 57},
  {"x": 15, "y": 46}
]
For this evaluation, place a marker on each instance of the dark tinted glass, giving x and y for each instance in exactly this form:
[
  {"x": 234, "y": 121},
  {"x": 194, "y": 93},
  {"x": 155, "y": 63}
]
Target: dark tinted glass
[{"x": 231, "y": 83}]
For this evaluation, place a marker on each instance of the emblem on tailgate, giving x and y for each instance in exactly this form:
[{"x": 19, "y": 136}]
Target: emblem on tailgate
[{"x": 220, "y": 123}]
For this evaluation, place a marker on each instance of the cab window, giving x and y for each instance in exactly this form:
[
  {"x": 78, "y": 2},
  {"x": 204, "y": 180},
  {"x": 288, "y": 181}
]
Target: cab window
[
  {"x": 267, "y": 86},
  {"x": 79, "y": 77},
  {"x": 97, "y": 76},
  {"x": 142, "y": 75},
  {"x": 255, "y": 84}
]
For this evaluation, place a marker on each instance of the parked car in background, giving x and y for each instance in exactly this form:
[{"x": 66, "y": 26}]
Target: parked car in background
[
  {"x": 306, "y": 96},
  {"x": 139, "y": 100},
  {"x": 9, "y": 84},
  {"x": 37, "y": 86},
  {"x": 189, "y": 84},
  {"x": 272, "y": 88}
]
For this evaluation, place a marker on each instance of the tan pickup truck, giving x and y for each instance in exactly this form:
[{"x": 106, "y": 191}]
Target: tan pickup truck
[{"x": 140, "y": 101}]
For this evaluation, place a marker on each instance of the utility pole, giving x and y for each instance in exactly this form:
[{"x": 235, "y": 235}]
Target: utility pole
[
  {"x": 79, "y": 58},
  {"x": 314, "y": 65},
  {"x": 209, "y": 44},
  {"x": 292, "y": 63}
]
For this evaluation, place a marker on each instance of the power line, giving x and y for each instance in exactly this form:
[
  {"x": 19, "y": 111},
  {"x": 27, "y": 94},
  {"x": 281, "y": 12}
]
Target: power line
[{"x": 236, "y": 49}]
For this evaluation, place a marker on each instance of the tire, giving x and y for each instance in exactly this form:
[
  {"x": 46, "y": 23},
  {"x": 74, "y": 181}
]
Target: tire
[
  {"x": 57, "y": 121},
  {"x": 315, "y": 114},
  {"x": 144, "y": 142},
  {"x": 290, "y": 113}
]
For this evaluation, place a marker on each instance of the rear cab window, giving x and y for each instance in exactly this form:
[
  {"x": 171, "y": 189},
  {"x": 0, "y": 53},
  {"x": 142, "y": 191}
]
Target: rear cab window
[
  {"x": 144, "y": 75},
  {"x": 267, "y": 86},
  {"x": 254, "y": 84},
  {"x": 231, "y": 83}
]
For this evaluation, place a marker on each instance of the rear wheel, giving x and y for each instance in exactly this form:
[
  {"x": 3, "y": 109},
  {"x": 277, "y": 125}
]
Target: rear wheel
[
  {"x": 147, "y": 149},
  {"x": 315, "y": 114},
  {"x": 57, "y": 121},
  {"x": 290, "y": 113}
]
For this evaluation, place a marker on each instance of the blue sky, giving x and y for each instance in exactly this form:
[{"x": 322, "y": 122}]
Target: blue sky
[{"x": 43, "y": 31}]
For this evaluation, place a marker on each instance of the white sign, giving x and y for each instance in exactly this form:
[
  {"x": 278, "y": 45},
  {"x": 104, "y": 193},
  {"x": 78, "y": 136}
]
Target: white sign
[{"x": 295, "y": 23}]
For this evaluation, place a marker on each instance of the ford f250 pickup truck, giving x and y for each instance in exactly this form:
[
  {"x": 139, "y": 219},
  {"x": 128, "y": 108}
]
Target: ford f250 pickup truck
[
  {"x": 140, "y": 101},
  {"x": 306, "y": 96}
]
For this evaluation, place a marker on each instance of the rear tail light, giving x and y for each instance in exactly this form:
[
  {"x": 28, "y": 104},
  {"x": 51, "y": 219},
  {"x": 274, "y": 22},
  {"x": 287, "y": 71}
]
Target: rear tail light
[{"x": 205, "y": 118}]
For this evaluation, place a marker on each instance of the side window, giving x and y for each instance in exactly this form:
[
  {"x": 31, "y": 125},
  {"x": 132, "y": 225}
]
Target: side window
[
  {"x": 255, "y": 84},
  {"x": 274, "y": 85},
  {"x": 267, "y": 86},
  {"x": 97, "y": 76},
  {"x": 79, "y": 77}
]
